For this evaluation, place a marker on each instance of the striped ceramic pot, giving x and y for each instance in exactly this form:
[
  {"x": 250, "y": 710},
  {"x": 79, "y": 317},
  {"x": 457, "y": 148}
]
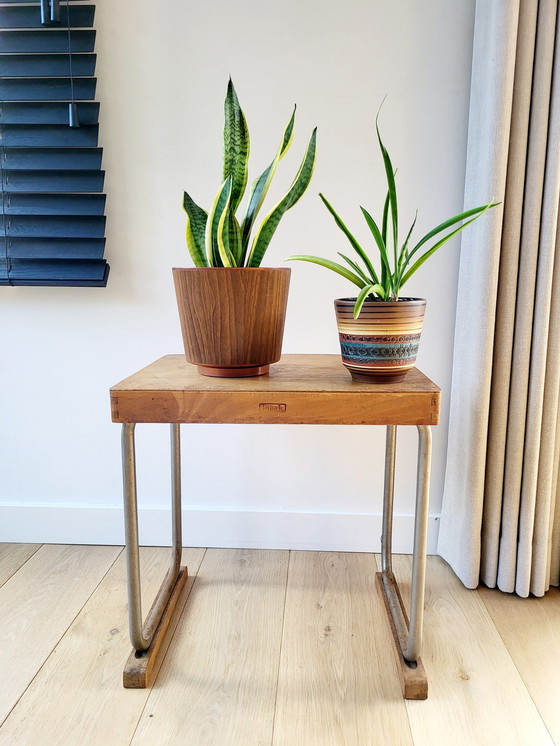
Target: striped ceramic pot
[{"x": 380, "y": 346}]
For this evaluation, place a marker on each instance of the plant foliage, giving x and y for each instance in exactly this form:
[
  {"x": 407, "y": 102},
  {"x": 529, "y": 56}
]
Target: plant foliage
[
  {"x": 399, "y": 261},
  {"x": 217, "y": 238}
]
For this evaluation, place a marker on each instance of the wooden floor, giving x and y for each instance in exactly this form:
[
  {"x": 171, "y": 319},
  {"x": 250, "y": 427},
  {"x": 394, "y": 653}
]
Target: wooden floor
[{"x": 274, "y": 647}]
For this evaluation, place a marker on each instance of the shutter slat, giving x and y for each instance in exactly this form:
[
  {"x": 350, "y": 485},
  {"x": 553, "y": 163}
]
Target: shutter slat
[
  {"x": 55, "y": 204},
  {"x": 76, "y": 226},
  {"x": 56, "y": 248},
  {"x": 79, "y": 159},
  {"x": 45, "y": 65},
  {"x": 47, "y": 112},
  {"x": 53, "y": 181},
  {"x": 46, "y": 41},
  {"x": 29, "y": 2},
  {"x": 51, "y": 89},
  {"x": 49, "y": 135},
  {"x": 58, "y": 272},
  {"x": 81, "y": 16}
]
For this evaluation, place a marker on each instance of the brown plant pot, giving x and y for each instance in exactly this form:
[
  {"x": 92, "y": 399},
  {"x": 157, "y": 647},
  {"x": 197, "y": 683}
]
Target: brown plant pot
[
  {"x": 380, "y": 346},
  {"x": 232, "y": 318}
]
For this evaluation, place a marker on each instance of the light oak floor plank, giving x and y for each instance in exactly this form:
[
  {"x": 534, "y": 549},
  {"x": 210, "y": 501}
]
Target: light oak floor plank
[
  {"x": 218, "y": 685},
  {"x": 38, "y": 604},
  {"x": 530, "y": 628},
  {"x": 338, "y": 683},
  {"x": 476, "y": 695},
  {"x": 12, "y": 557},
  {"x": 77, "y": 697}
]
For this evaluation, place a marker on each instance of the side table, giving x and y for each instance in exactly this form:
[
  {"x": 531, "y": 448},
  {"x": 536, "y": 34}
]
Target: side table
[{"x": 300, "y": 389}]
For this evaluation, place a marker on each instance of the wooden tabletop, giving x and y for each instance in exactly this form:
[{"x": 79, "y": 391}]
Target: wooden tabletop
[{"x": 300, "y": 389}]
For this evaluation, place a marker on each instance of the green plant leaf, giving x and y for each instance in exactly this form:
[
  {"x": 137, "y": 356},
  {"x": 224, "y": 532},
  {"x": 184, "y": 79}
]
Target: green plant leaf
[
  {"x": 236, "y": 146},
  {"x": 360, "y": 300},
  {"x": 196, "y": 227},
  {"x": 378, "y": 290},
  {"x": 392, "y": 190},
  {"x": 353, "y": 242},
  {"x": 219, "y": 208},
  {"x": 338, "y": 268},
  {"x": 385, "y": 219},
  {"x": 357, "y": 269},
  {"x": 452, "y": 221},
  {"x": 223, "y": 236},
  {"x": 403, "y": 257},
  {"x": 382, "y": 249},
  {"x": 419, "y": 262},
  {"x": 232, "y": 238},
  {"x": 297, "y": 189},
  {"x": 260, "y": 186}
]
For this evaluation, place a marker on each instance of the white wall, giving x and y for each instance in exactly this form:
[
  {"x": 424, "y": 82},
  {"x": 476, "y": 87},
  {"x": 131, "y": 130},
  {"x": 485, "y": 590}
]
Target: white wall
[{"x": 162, "y": 72}]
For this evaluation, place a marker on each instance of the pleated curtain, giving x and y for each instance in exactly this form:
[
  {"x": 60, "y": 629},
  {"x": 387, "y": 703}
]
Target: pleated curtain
[{"x": 500, "y": 521}]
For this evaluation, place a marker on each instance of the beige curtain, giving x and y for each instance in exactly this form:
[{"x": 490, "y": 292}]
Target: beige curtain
[{"x": 500, "y": 521}]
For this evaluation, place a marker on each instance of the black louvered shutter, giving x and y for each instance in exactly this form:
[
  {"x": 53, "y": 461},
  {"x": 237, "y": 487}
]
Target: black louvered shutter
[{"x": 53, "y": 223}]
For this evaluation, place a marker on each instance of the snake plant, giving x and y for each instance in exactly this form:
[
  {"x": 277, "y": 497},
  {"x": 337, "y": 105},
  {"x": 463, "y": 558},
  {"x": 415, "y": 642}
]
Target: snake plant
[
  {"x": 217, "y": 238},
  {"x": 398, "y": 261}
]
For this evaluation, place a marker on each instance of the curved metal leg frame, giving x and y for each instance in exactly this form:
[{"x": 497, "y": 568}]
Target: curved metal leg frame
[
  {"x": 388, "y": 499},
  {"x": 410, "y": 636},
  {"x": 141, "y": 635},
  {"x": 420, "y": 543}
]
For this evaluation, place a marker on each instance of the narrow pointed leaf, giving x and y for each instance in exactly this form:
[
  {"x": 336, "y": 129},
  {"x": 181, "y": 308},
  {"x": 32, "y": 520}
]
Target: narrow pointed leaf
[
  {"x": 403, "y": 256},
  {"x": 392, "y": 189},
  {"x": 221, "y": 201},
  {"x": 385, "y": 219},
  {"x": 260, "y": 186},
  {"x": 236, "y": 146},
  {"x": 297, "y": 189},
  {"x": 226, "y": 254},
  {"x": 338, "y": 268},
  {"x": 419, "y": 262},
  {"x": 452, "y": 221},
  {"x": 380, "y": 291},
  {"x": 353, "y": 242},
  {"x": 232, "y": 238},
  {"x": 360, "y": 300},
  {"x": 381, "y": 246},
  {"x": 357, "y": 269},
  {"x": 196, "y": 227}
]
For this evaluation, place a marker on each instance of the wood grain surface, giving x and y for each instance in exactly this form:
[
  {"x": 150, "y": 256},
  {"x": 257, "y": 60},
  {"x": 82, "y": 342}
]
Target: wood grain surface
[
  {"x": 414, "y": 681},
  {"x": 38, "y": 604},
  {"x": 530, "y": 629},
  {"x": 12, "y": 557},
  {"x": 493, "y": 676},
  {"x": 300, "y": 389},
  {"x": 140, "y": 671},
  {"x": 338, "y": 683},
  {"x": 223, "y": 667},
  {"x": 77, "y": 696},
  {"x": 477, "y": 696},
  {"x": 232, "y": 317}
]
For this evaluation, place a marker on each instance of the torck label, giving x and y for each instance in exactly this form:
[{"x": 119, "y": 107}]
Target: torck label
[{"x": 271, "y": 407}]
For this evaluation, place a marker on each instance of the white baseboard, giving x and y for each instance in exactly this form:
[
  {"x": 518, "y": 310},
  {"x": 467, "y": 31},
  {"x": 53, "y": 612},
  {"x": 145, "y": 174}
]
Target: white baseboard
[{"x": 342, "y": 532}]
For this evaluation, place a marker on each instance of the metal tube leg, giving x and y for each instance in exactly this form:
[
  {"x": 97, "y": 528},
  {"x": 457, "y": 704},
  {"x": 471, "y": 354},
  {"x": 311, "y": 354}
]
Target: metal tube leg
[
  {"x": 420, "y": 543},
  {"x": 388, "y": 498},
  {"x": 141, "y": 635},
  {"x": 177, "y": 540},
  {"x": 131, "y": 536}
]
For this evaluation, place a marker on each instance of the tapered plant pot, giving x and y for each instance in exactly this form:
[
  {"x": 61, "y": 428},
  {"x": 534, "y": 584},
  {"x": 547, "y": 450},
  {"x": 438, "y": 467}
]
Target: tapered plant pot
[
  {"x": 232, "y": 318},
  {"x": 381, "y": 345}
]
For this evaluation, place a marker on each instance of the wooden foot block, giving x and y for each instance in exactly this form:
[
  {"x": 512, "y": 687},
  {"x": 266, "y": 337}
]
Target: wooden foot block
[
  {"x": 141, "y": 669},
  {"x": 413, "y": 680}
]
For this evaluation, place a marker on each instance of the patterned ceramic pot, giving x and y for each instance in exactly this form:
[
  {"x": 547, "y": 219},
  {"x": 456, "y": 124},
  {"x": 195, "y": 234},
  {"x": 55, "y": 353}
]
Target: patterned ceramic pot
[{"x": 380, "y": 346}]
